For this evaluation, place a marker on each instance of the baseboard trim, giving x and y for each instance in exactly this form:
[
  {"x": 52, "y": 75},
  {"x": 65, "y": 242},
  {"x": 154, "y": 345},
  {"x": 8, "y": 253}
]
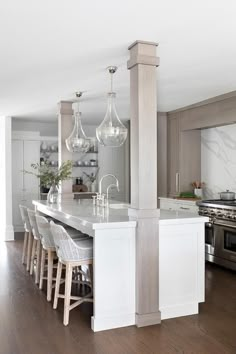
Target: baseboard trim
[
  {"x": 105, "y": 323},
  {"x": 9, "y": 233},
  {"x": 179, "y": 310},
  {"x": 148, "y": 319}
]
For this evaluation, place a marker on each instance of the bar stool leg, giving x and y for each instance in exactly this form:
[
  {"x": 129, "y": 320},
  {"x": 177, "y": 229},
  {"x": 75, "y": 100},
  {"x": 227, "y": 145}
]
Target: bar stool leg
[
  {"x": 38, "y": 254},
  {"x": 29, "y": 251},
  {"x": 58, "y": 282},
  {"x": 49, "y": 275},
  {"x": 67, "y": 294},
  {"x": 42, "y": 268},
  {"x": 32, "y": 256},
  {"x": 25, "y": 247}
]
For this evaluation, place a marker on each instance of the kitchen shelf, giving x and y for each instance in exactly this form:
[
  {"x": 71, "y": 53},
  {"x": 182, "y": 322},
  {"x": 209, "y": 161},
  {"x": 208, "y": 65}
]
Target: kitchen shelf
[{"x": 85, "y": 166}]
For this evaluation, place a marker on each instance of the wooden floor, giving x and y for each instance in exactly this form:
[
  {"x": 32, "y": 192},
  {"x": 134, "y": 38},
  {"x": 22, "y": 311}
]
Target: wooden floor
[{"x": 29, "y": 325}]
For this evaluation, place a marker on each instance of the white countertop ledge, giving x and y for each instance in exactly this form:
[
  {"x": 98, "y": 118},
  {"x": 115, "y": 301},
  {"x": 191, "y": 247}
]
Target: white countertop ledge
[
  {"x": 83, "y": 211},
  {"x": 171, "y": 217}
]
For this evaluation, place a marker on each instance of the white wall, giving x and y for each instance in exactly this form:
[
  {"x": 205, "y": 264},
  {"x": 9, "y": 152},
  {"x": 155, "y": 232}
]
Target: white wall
[
  {"x": 218, "y": 150},
  {"x": 6, "y": 228}
]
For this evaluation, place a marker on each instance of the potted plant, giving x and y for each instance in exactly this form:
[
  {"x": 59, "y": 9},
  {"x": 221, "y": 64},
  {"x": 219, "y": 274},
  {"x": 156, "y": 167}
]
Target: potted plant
[{"x": 51, "y": 177}]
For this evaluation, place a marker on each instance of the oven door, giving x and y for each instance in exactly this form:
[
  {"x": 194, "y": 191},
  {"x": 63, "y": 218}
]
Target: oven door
[
  {"x": 225, "y": 246},
  {"x": 209, "y": 238}
]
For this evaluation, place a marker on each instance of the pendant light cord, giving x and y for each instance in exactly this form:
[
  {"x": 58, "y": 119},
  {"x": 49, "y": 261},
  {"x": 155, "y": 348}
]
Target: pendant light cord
[{"x": 111, "y": 81}]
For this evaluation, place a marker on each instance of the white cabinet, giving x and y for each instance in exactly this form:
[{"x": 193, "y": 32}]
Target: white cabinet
[
  {"x": 181, "y": 266},
  {"x": 179, "y": 205},
  {"x": 25, "y": 187}
]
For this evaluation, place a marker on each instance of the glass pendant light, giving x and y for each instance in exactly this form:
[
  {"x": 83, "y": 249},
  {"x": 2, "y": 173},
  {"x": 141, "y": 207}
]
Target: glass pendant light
[
  {"x": 111, "y": 132},
  {"x": 78, "y": 141}
]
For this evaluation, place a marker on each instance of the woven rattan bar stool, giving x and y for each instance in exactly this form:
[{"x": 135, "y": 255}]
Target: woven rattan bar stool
[
  {"x": 48, "y": 253},
  {"x": 28, "y": 238},
  {"x": 72, "y": 254},
  {"x": 36, "y": 247}
]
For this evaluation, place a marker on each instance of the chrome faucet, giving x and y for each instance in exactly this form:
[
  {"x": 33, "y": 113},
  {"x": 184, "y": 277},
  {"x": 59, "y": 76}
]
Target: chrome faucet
[
  {"x": 109, "y": 187},
  {"x": 100, "y": 185}
]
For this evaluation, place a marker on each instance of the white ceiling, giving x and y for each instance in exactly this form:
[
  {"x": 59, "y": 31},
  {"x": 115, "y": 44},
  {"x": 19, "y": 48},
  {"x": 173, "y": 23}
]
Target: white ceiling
[{"x": 52, "y": 48}]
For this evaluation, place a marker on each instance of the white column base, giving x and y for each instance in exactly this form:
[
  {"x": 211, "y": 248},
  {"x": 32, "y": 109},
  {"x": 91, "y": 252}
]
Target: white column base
[
  {"x": 148, "y": 319},
  {"x": 104, "y": 323}
]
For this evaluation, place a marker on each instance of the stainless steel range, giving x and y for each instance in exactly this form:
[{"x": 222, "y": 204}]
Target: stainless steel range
[{"x": 220, "y": 233}]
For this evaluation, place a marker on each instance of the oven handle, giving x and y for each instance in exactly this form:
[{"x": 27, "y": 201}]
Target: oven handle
[{"x": 222, "y": 224}]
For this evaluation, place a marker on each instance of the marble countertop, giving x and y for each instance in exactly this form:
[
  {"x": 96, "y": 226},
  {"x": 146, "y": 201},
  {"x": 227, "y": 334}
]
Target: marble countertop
[
  {"x": 170, "y": 217},
  {"x": 189, "y": 201},
  {"x": 84, "y": 213}
]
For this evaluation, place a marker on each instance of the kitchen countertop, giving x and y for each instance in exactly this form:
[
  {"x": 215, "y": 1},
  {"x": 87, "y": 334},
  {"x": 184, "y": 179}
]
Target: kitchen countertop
[
  {"x": 190, "y": 201},
  {"x": 89, "y": 215},
  {"x": 83, "y": 212},
  {"x": 170, "y": 217}
]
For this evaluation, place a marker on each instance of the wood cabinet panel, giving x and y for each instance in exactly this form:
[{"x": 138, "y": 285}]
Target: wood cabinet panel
[
  {"x": 173, "y": 155},
  {"x": 184, "y": 156}
]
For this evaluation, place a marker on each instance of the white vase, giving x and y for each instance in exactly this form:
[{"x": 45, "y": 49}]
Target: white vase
[
  {"x": 94, "y": 187},
  {"x": 198, "y": 192},
  {"x": 53, "y": 194}
]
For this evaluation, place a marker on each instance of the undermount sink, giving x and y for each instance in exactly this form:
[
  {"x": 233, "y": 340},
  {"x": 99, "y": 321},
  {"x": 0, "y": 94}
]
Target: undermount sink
[{"x": 119, "y": 206}]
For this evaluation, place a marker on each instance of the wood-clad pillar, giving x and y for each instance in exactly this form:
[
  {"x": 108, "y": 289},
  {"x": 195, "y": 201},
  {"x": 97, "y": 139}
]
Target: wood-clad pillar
[
  {"x": 65, "y": 125},
  {"x": 143, "y": 109}
]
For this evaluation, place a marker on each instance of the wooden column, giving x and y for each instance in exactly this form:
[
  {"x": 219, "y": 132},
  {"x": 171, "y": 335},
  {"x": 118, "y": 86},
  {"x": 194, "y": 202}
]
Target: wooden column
[
  {"x": 143, "y": 109},
  {"x": 65, "y": 125}
]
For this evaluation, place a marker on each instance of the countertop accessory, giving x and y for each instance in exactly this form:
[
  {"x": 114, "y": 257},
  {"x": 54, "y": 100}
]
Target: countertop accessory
[
  {"x": 78, "y": 141},
  {"x": 227, "y": 195},
  {"x": 111, "y": 132},
  {"x": 51, "y": 177}
]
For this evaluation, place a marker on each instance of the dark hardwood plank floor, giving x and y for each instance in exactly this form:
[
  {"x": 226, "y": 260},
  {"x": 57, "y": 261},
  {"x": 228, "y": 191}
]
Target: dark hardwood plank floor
[{"x": 29, "y": 325}]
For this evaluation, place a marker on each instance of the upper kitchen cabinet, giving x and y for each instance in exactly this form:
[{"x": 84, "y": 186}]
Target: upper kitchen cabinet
[{"x": 183, "y": 156}]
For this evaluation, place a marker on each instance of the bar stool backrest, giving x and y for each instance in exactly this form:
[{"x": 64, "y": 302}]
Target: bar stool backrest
[
  {"x": 25, "y": 218},
  {"x": 33, "y": 223},
  {"x": 67, "y": 249},
  {"x": 45, "y": 231}
]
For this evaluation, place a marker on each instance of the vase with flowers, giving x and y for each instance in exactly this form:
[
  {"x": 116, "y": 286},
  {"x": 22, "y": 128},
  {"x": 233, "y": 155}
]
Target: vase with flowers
[
  {"x": 92, "y": 181},
  {"x": 51, "y": 177},
  {"x": 198, "y": 187}
]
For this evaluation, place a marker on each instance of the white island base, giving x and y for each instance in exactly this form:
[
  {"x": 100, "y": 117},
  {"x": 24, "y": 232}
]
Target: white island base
[
  {"x": 181, "y": 263},
  {"x": 181, "y": 260}
]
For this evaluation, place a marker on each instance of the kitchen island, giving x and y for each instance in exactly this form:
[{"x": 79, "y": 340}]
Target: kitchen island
[{"x": 181, "y": 258}]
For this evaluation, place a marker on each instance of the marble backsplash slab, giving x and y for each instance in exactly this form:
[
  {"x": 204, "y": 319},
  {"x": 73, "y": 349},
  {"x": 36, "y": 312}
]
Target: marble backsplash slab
[{"x": 218, "y": 160}]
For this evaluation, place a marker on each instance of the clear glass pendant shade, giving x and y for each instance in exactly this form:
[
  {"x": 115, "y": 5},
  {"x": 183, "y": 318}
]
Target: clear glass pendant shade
[
  {"x": 111, "y": 132},
  {"x": 78, "y": 141}
]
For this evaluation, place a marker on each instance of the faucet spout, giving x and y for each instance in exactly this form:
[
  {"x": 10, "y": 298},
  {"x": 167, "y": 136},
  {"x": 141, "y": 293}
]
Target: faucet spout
[{"x": 101, "y": 180}]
